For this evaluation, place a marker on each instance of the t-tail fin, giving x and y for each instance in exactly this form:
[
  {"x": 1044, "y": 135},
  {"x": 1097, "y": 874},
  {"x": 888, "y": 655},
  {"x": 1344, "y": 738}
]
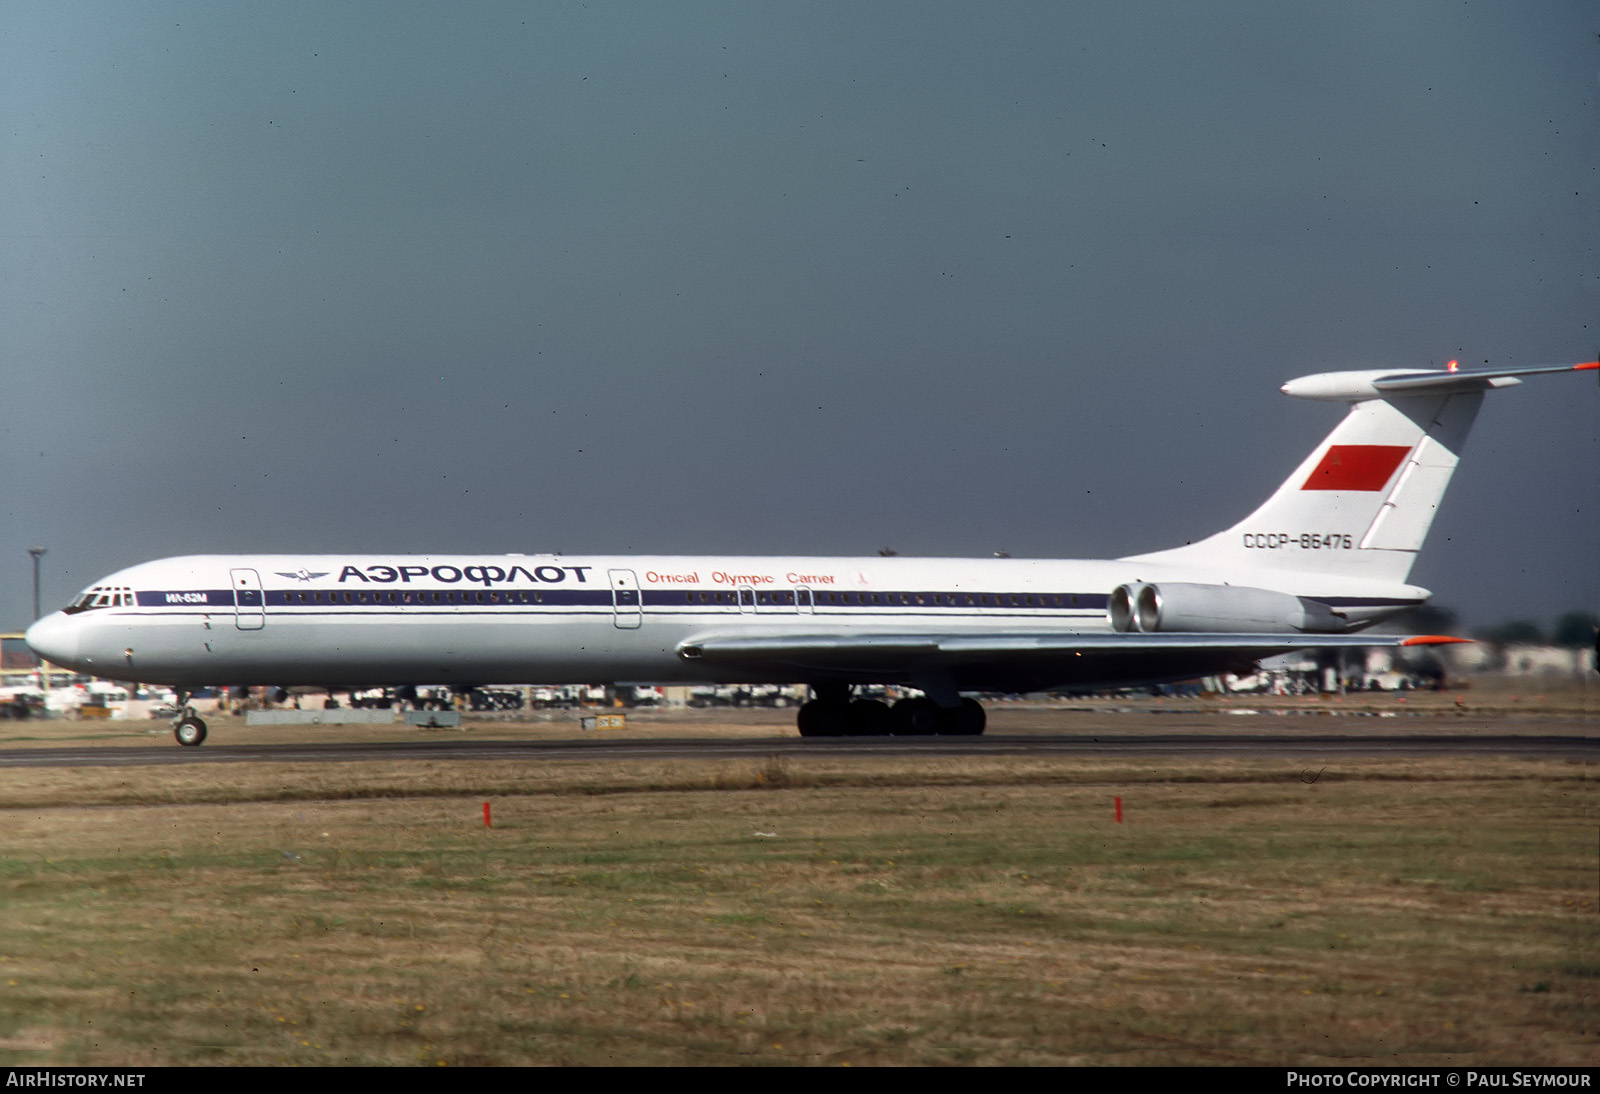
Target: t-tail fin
[{"x": 1362, "y": 502}]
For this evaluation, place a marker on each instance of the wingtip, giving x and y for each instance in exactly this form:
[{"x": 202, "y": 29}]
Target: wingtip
[{"x": 1435, "y": 640}]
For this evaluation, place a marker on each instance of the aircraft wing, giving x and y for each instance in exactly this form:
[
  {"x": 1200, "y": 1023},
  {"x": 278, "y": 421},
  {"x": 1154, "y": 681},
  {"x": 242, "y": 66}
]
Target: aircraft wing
[{"x": 1042, "y": 659}]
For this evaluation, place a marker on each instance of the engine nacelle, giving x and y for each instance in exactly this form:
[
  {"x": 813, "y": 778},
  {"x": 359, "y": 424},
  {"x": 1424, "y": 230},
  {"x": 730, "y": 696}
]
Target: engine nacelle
[{"x": 1218, "y": 609}]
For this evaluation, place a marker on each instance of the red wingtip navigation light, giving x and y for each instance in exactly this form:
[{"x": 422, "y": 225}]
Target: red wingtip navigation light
[{"x": 1452, "y": 366}]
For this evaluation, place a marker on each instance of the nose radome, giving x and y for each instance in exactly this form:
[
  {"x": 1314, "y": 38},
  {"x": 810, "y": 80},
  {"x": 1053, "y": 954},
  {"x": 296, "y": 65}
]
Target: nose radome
[{"x": 54, "y": 638}]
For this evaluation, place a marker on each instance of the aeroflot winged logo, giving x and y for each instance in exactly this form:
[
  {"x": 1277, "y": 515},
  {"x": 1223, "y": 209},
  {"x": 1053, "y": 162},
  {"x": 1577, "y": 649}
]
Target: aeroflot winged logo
[{"x": 303, "y": 574}]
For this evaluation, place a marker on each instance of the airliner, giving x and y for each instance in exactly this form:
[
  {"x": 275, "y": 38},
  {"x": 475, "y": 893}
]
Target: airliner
[{"x": 1322, "y": 559}]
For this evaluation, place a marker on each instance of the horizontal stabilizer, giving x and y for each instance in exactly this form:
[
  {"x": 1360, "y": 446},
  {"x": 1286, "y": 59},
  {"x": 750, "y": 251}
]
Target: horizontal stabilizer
[{"x": 1388, "y": 383}]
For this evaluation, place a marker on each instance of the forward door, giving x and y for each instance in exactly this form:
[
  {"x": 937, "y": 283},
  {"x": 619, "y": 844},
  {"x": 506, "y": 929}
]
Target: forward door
[{"x": 249, "y": 605}]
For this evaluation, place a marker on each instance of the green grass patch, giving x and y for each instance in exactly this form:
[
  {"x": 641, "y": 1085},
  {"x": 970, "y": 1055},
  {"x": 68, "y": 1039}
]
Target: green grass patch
[{"x": 868, "y": 911}]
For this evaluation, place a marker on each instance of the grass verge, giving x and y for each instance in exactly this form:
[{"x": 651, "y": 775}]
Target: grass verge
[{"x": 801, "y": 910}]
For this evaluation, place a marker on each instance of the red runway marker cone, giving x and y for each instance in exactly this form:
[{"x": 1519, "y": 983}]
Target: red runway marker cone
[
  {"x": 1117, "y": 800},
  {"x": 486, "y": 814}
]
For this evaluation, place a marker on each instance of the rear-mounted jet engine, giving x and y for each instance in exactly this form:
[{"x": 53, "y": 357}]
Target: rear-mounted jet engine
[{"x": 1182, "y": 606}]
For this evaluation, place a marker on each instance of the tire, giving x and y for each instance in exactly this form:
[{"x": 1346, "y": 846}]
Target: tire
[
  {"x": 822, "y": 719},
  {"x": 190, "y": 732},
  {"x": 966, "y": 720},
  {"x": 916, "y": 718},
  {"x": 870, "y": 718}
]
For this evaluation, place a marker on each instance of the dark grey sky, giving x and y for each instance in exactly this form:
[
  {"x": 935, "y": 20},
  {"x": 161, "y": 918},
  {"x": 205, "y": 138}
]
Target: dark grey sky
[{"x": 779, "y": 278}]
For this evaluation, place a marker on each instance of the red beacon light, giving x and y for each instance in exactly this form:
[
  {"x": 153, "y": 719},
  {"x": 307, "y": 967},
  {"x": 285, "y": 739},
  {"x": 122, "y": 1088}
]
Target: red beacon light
[{"x": 1452, "y": 366}]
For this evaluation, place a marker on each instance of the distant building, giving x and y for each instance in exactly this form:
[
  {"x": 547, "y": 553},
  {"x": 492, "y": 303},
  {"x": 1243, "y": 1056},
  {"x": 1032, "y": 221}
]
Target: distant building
[{"x": 1546, "y": 661}]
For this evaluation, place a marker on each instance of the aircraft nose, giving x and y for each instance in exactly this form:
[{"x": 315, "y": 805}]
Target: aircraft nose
[{"x": 54, "y": 638}]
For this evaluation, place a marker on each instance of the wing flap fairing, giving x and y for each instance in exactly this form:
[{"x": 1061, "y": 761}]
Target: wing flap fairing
[{"x": 880, "y": 647}]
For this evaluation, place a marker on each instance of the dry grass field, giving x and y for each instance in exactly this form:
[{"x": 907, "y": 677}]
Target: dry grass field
[{"x": 801, "y": 910}]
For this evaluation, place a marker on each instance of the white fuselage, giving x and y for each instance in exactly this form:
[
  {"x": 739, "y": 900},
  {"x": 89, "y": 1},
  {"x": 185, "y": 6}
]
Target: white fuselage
[{"x": 332, "y": 620}]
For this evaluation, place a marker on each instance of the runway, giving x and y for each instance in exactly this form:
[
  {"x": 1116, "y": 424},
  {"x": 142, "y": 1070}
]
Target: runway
[{"x": 1184, "y": 745}]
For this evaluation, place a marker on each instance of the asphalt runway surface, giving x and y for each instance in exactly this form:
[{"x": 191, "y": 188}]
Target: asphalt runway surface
[{"x": 1548, "y": 746}]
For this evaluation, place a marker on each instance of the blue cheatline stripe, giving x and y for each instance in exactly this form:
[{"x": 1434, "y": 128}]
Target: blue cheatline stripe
[
  {"x": 661, "y": 598},
  {"x": 771, "y": 601},
  {"x": 185, "y": 598},
  {"x": 440, "y": 598}
]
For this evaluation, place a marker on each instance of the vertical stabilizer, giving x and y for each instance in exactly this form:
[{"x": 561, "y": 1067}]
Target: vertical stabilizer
[{"x": 1362, "y": 502}]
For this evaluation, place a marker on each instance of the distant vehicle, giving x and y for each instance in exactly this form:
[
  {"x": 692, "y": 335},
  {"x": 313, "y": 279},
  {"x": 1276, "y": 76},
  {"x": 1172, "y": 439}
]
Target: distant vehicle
[
  {"x": 1324, "y": 557},
  {"x": 17, "y": 703}
]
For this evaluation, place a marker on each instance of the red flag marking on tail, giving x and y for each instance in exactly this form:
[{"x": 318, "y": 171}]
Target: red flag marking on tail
[{"x": 1356, "y": 467}]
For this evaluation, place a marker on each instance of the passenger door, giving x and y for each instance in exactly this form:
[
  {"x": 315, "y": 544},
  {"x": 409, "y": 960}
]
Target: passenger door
[
  {"x": 249, "y": 603},
  {"x": 627, "y": 610}
]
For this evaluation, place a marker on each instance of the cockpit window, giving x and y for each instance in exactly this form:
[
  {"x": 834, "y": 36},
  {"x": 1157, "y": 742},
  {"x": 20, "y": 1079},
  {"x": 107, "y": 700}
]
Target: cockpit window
[{"x": 100, "y": 596}]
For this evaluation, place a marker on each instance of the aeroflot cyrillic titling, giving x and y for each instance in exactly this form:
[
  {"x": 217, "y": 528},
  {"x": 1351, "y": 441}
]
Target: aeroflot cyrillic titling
[
  {"x": 483, "y": 575},
  {"x": 550, "y": 574}
]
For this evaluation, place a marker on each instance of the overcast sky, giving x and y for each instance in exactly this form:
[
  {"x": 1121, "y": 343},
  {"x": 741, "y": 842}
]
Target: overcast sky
[{"x": 780, "y": 278}]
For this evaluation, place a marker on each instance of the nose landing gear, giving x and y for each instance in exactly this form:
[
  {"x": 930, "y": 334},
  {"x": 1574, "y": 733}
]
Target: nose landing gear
[{"x": 187, "y": 726}]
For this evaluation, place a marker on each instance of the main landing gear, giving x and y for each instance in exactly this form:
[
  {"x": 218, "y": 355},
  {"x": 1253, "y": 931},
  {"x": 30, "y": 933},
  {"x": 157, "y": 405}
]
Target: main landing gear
[
  {"x": 834, "y": 714},
  {"x": 187, "y": 726}
]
